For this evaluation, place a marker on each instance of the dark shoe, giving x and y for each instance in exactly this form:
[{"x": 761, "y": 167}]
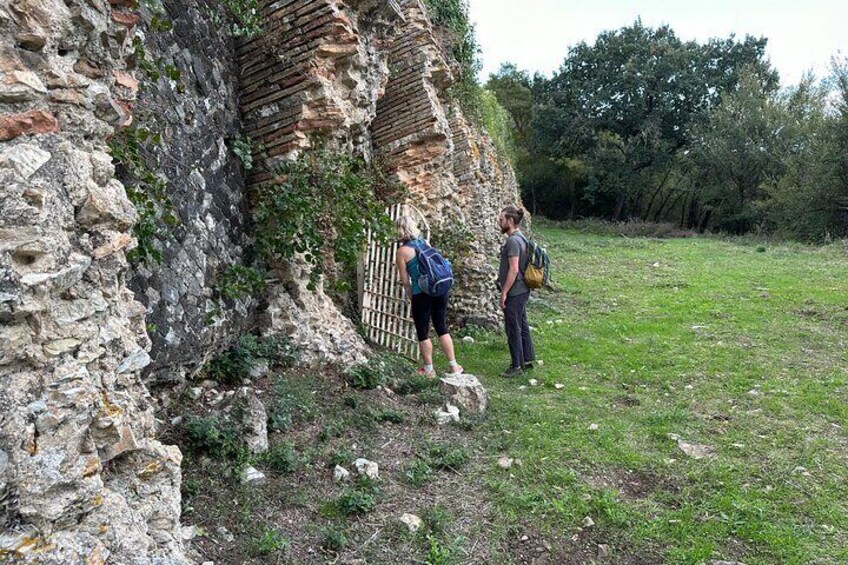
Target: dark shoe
[
  {"x": 512, "y": 372},
  {"x": 528, "y": 366}
]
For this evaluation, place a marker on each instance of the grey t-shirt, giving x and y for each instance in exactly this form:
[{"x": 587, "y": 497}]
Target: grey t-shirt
[{"x": 515, "y": 246}]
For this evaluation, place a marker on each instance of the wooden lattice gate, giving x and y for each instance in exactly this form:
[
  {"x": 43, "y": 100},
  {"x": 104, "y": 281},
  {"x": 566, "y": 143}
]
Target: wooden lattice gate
[{"x": 386, "y": 311}]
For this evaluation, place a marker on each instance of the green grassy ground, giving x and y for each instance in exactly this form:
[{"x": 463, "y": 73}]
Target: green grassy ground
[{"x": 737, "y": 347}]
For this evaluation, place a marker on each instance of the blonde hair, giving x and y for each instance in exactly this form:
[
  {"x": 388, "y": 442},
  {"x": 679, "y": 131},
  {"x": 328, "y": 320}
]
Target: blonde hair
[{"x": 406, "y": 228}]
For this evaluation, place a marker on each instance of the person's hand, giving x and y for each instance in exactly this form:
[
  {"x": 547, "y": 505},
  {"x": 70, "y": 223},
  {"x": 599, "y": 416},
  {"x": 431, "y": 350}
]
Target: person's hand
[{"x": 503, "y": 301}]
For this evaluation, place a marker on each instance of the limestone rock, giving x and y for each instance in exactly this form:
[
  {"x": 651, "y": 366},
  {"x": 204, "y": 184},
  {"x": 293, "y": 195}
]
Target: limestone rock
[
  {"x": 367, "y": 468},
  {"x": 340, "y": 473},
  {"x": 252, "y": 475},
  {"x": 505, "y": 462},
  {"x": 693, "y": 450},
  {"x": 25, "y": 159},
  {"x": 448, "y": 415},
  {"x": 249, "y": 415},
  {"x": 413, "y": 522},
  {"x": 466, "y": 391}
]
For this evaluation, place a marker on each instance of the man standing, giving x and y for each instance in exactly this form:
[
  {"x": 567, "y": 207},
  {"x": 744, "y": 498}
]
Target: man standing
[{"x": 514, "y": 291}]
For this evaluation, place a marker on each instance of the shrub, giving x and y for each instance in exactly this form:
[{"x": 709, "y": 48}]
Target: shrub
[
  {"x": 389, "y": 415},
  {"x": 217, "y": 438},
  {"x": 413, "y": 384},
  {"x": 333, "y": 539},
  {"x": 281, "y": 458},
  {"x": 271, "y": 541},
  {"x": 288, "y": 404},
  {"x": 340, "y": 456},
  {"x": 231, "y": 366},
  {"x": 435, "y": 519},
  {"x": 379, "y": 370},
  {"x": 356, "y": 502},
  {"x": 418, "y": 472},
  {"x": 445, "y": 456}
]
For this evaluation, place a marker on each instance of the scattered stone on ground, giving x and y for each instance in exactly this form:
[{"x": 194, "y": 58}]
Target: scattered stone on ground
[
  {"x": 533, "y": 382},
  {"x": 412, "y": 522},
  {"x": 693, "y": 450},
  {"x": 340, "y": 473},
  {"x": 603, "y": 551},
  {"x": 588, "y": 522},
  {"x": 505, "y": 462},
  {"x": 252, "y": 475},
  {"x": 468, "y": 339},
  {"x": 593, "y": 427},
  {"x": 448, "y": 415},
  {"x": 225, "y": 534},
  {"x": 559, "y": 386},
  {"x": 367, "y": 468},
  {"x": 465, "y": 391}
]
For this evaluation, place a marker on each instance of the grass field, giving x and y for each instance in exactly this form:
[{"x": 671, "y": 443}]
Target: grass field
[
  {"x": 737, "y": 347},
  {"x": 701, "y": 415}
]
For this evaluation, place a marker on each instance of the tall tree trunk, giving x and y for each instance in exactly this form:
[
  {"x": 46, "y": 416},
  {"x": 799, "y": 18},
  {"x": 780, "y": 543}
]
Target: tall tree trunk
[{"x": 619, "y": 206}]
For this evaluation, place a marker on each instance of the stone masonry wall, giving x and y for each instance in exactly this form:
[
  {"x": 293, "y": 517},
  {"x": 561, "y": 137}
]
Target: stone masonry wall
[
  {"x": 82, "y": 479},
  {"x": 371, "y": 77},
  {"x": 197, "y": 117},
  {"x": 318, "y": 70},
  {"x": 450, "y": 166}
]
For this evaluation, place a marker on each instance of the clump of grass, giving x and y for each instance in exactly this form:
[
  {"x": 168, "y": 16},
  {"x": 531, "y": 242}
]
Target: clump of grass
[
  {"x": 413, "y": 384},
  {"x": 269, "y": 542},
  {"x": 281, "y": 458},
  {"x": 443, "y": 456},
  {"x": 418, "y": 472},
  {"x": 355, "y": 502},
  {"x": 340, "y": 456},
  {"x": 388, "y": 415},
  {"x": 378, "y": 371},
  {"x": 333, "y": 539},
  {"x": 436, "y": 519},
  {"x": 291, "y": 402}
]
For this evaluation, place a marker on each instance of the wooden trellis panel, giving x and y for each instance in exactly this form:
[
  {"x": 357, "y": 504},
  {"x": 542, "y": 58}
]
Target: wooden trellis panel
[{"x": 386, "y": 310}]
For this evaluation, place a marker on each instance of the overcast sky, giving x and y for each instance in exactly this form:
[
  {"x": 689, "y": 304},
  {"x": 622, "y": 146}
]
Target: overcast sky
[{"x": 536, "y": 34}]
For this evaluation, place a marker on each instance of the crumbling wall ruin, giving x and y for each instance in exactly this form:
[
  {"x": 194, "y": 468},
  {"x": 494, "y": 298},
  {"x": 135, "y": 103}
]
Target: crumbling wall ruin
[{"x": 82, "y": 478}]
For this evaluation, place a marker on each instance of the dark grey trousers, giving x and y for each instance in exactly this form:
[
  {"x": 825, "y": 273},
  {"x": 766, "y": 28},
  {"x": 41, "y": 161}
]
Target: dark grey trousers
[{"x": 517, "y": 330}]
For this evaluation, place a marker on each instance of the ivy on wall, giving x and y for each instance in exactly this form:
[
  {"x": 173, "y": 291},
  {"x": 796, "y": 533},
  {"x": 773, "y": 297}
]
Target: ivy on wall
[{"x": 321, "y": 208}]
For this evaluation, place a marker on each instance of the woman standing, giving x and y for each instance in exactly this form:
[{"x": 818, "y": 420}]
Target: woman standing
[{"x": 424, "y": 307}]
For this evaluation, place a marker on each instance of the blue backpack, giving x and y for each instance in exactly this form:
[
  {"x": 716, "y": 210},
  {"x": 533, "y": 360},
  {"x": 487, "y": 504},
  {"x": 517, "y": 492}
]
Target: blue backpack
[{"x": 436, "y": 276}]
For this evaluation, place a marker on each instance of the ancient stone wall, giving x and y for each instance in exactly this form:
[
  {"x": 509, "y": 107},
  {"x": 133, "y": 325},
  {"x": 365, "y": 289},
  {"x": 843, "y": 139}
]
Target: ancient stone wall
[
  {"x": 82, "y": 479},
  {"x": 198, "y": 120},
  {"x": 450, "y": 166},
  {"x": 316, "y": 73}
]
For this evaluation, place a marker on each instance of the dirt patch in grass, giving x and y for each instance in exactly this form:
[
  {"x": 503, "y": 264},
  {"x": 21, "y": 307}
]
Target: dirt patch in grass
[
  {"x": 635, "y": 485},
  {"x": 528, "y": 546}
]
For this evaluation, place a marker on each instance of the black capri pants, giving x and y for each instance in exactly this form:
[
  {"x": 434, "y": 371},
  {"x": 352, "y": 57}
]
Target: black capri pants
[{"x": 425, "y": 307}]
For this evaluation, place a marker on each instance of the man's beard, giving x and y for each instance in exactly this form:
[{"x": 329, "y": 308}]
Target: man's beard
[{"x": 504, "y": 229}]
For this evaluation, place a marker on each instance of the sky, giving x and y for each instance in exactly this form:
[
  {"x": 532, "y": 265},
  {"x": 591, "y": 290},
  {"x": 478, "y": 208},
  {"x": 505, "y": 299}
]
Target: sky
[{"x": 536, "y": 34}]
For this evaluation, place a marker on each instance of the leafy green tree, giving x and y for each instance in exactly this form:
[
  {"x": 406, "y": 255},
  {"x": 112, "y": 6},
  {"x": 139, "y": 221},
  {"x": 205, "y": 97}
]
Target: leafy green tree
[{"x": 625, "y": 104}]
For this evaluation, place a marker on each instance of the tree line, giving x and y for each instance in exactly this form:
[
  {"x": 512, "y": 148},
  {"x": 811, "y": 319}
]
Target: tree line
[{"x": 642, "y": 125}]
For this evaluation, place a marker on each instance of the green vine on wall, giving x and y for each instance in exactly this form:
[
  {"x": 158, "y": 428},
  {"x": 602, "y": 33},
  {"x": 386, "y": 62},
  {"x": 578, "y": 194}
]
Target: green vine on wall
[
  {"x": 146, "y": 191},
  {"x": 130, "y": 146},
  {"x": 321, "y": 208}
]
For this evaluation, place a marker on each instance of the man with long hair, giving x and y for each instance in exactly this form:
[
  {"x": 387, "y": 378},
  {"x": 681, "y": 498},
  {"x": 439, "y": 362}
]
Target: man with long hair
[{"x": 514, "y": 291}]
